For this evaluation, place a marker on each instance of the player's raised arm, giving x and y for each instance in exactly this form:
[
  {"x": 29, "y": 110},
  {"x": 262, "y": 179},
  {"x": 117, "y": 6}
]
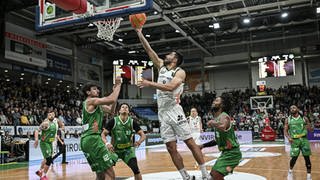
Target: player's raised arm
[
  {"x": 158, "y": 62},
  {"x": 108, "y": 100},
  {"x": 176, "y": 82}
]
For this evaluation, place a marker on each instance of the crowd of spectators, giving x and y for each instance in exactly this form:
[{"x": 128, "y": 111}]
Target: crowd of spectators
[
  {"x": 22, "y": 103},
  {"x": 246, "y": 119}
]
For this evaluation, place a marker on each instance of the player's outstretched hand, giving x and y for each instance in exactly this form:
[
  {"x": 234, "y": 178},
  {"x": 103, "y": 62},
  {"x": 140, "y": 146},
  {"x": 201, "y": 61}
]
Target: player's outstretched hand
[
  {"x": 143, "y": 83},
  {"x": 118, "y": 80},
  {"x": 138, "y": 29}
]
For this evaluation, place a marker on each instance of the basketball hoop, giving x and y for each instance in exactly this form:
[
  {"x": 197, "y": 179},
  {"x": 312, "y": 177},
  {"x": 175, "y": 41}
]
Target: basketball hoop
[{"x": 107, "y": 28}]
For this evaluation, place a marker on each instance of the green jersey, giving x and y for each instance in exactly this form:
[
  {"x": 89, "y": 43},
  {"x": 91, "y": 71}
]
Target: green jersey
[
  {"x": 297, "y": 127},
  {"x": 49, "y": 134},
  {"x": 122, "y": 133},
  {"x": 225, "y": 139},
  {"x": 91, "y": 118}
]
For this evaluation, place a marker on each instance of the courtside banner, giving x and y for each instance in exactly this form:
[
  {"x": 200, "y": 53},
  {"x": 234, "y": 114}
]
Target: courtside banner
[
  {"x": 315, "y": 135},
  {"x": 72, "y": 148},
  {"x": 24, "y": 130},
  {"x": 72, "y": 129},
  {"x": 153, "y": 139},
  {"x": 244, "y": 137},
  {"x": 10, "y": 129}
]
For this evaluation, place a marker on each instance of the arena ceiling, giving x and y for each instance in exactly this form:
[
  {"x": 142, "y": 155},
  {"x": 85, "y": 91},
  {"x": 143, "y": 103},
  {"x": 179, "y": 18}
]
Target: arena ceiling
[{"x": 184, "y": 25}]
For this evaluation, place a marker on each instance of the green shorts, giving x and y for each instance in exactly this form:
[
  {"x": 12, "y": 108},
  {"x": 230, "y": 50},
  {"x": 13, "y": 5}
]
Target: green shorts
[
  {"x": 97, "y": 154},
  {"x": 300, "y": 144},
  {"x": 46, "y": 149},
  {"x": 227, "y": 161},
  {"x": 126, "y": 154}
]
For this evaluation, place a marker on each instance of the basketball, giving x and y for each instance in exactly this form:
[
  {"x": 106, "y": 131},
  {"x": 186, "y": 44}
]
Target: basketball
[
  {"x": 44, "y": 125},
  {"x": 138, "y": 20}
]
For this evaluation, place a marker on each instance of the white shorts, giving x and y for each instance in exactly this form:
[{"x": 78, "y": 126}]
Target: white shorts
[
  {"x": 196, "y": 137},
  {"x": 173, "y": 124}
]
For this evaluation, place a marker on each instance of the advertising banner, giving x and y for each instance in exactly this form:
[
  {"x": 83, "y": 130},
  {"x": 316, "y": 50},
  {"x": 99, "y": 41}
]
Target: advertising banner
[
  {"x": 24, "y": 130},
  {"x": 153, "y": 139},
  {"x": 72, "y": 129},
  {"x": 58, "y": 64},
  {"x": 315, "y": 135},
  {"x": 72, "y": 148},
  {"x": 89, "y": 72},
  {"x": 22, "y": 46},
  {"x": 10, "y": 129}
]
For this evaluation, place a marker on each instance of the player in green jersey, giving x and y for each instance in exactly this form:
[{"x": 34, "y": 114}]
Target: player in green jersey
[
  {"x": 100, "y": 159},
  {"x": 122, "y": 129},
  {"x": 296, "y": 130},
  {"x": 225, "y": 138},
  {"x": 48, "y": 128}
]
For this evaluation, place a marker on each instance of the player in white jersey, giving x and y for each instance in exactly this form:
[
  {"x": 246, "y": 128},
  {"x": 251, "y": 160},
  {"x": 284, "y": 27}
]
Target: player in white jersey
[
  {"x": 172, "y": 118},
  {"x": 195, "y": 125}
]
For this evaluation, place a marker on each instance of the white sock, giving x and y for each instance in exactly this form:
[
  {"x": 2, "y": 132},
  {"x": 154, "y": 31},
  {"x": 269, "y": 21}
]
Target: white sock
[
  {"x": 43, "y": 174},
  {"x": 308, "y": 175},
  {"x": 184, "y": 174},
  {"x": 203, "y": 169}
]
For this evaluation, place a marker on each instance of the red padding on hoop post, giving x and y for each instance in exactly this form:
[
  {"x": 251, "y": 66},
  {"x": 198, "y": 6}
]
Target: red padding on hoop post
[{"x": 76, "y": 6}]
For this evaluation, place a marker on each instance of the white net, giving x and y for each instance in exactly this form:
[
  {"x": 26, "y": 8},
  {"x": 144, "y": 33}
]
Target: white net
[{"x": 107, "y": 28}]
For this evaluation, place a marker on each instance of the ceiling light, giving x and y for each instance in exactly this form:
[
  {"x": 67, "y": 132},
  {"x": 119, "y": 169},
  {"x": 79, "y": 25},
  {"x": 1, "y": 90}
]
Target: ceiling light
[
  {"x": 49, "y": 79},
  {"x": 155, "y": 12},
  {"x": 246, "y": 20},
  {"x": 22, "y": 74},
  {"x": 120, "y": 39},
  {"x": 21, "y": 78},
  {"x": 211, "y": 26},
  {"x": 6, "y": 70},
  {"x": 284, "y": 15},
  {"x": 80, "y": 85},
  {"x": 8, "y": 80},
  {"x": 177, "y": 31},
  {"x": 60, "y": 81},
  {"x": 58, "y": 84},
  {"x": 318, "y": 10},
  {"x": 47, "y": 82},
  {"x": 132, "y": 52},
  {"x": 216, "y": 25},
  {"x": 148, "y": 35},
  {"x": 68, "y": 86},
  {"x": 90, "y": 25}
]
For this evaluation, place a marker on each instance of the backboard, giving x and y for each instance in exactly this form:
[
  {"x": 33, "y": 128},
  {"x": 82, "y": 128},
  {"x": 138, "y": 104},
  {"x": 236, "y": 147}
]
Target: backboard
[
  {"x": 261, "y": 102},
  {"x": 75, "y": 12}
]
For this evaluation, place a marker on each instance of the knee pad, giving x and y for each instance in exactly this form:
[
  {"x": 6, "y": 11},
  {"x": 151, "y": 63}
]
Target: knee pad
[
  {"x": 133, "y": 164},
  {"x": 49, "y": 161}
]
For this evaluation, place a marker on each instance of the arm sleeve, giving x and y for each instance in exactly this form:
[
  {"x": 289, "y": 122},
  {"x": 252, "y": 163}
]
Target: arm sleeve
[
  {"x": 136, "y": 126},
  {"x": 210, "y": 144},
  {"x": 110, "y": 124}
]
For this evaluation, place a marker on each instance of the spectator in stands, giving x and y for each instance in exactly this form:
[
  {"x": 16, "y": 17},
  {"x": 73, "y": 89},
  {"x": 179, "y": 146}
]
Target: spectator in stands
[
  {"x": 24, "y": 119},
  {"x": 3, "y": 119},
  {"x": 7, "y": 143},
  {"x": 16, "y": 117}
]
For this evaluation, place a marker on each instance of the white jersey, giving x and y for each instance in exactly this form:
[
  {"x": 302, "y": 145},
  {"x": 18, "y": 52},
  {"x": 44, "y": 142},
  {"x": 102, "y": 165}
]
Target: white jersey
[
  {"x": 168, "y": 99},
  {"x": 195, "y": 124}
]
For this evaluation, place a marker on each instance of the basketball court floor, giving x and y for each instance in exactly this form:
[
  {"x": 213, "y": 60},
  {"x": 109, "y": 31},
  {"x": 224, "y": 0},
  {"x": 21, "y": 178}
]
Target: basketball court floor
[{"x": 260, "y": 161}]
